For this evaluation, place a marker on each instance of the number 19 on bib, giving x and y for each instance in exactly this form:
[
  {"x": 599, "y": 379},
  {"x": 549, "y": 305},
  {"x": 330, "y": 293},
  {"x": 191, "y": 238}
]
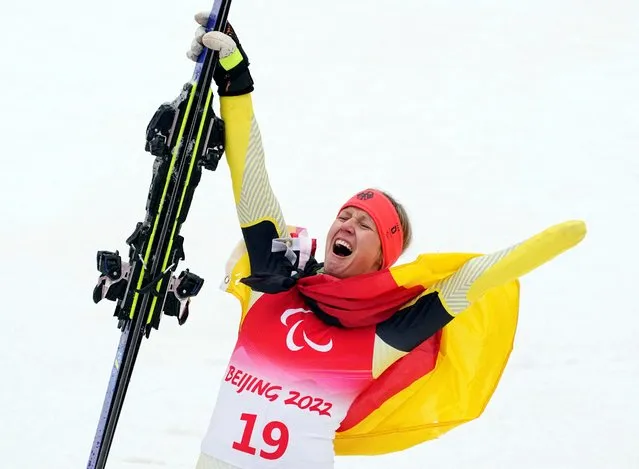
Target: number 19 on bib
[{"x": 270, "y": 438}]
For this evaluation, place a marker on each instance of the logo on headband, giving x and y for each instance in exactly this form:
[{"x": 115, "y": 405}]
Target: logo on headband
[{"x": 366, "y": 195}]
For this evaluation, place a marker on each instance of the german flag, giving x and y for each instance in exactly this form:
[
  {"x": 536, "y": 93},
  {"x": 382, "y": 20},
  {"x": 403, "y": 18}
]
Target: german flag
[{"x": 449, "y": 379}]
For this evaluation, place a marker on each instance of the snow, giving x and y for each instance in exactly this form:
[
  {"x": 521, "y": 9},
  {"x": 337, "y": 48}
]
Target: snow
[{"x": 490, "y": 120}]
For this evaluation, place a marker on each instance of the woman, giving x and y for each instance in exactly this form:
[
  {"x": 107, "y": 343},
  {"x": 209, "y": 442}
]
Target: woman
[{"x": 315, "y": 337}]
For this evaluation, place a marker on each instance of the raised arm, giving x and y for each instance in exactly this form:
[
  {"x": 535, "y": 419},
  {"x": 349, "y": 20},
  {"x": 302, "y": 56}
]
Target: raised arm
[{"x": 258, "y": 210}]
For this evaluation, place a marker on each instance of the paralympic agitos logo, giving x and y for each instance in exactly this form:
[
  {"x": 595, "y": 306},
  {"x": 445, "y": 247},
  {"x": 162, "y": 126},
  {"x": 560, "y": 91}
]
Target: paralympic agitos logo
[{"x": 292, "y": 338}]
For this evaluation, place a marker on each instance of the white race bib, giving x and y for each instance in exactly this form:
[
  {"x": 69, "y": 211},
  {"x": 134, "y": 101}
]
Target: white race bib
[{"x": 261, "y": 423}]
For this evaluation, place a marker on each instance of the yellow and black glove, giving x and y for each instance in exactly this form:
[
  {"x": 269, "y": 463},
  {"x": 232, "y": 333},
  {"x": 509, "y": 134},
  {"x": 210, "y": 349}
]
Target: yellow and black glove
[{"x": 232, "y": 75}]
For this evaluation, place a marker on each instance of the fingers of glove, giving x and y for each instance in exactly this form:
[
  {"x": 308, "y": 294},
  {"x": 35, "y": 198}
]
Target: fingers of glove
[
  {"x": 196, "y": 49},
  {"x": 196, "y": 45},
  {"x": 219, "y": 41},
  {"x": 202, "y": 18},
  {"x": 199, "y": 32}
]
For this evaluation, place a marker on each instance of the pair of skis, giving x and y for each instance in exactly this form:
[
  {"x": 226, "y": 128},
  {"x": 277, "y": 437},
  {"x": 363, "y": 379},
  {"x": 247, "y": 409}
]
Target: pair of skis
[{"x": 185, "y": 137}]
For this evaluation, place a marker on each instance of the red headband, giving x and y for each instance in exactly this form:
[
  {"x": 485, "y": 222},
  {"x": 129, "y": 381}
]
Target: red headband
[{"x": 386, "y": 219}]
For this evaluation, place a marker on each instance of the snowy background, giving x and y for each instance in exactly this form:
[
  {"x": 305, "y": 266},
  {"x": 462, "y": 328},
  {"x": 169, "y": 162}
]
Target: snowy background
[{"x": 490, "y": 120}]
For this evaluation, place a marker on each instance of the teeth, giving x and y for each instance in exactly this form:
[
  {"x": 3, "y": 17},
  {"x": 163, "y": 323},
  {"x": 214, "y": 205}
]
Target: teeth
[{"x": 341, "y": 242}]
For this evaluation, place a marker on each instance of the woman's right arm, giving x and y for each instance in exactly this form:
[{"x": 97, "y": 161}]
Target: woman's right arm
[{"x": 258, "y": 210}]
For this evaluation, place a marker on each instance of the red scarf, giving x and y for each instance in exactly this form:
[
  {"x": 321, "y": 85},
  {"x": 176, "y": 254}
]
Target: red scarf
[{"x": 363, "y": 300}]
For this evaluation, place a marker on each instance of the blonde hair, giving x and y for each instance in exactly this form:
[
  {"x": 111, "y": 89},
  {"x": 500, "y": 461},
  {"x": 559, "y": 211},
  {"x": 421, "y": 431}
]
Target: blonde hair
[{"x": 403, "y": 220}]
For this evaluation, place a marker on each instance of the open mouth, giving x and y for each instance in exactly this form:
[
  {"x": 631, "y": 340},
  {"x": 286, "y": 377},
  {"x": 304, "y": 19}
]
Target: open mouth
[{"x": 342, "y": 249}]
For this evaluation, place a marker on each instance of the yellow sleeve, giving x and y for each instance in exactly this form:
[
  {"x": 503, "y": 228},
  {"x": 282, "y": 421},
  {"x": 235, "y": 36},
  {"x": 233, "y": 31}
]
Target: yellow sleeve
[{"x": 254, "y": 198}]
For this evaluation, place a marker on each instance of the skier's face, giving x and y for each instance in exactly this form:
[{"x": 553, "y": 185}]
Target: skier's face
[{"x": 353, "y": 246}]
